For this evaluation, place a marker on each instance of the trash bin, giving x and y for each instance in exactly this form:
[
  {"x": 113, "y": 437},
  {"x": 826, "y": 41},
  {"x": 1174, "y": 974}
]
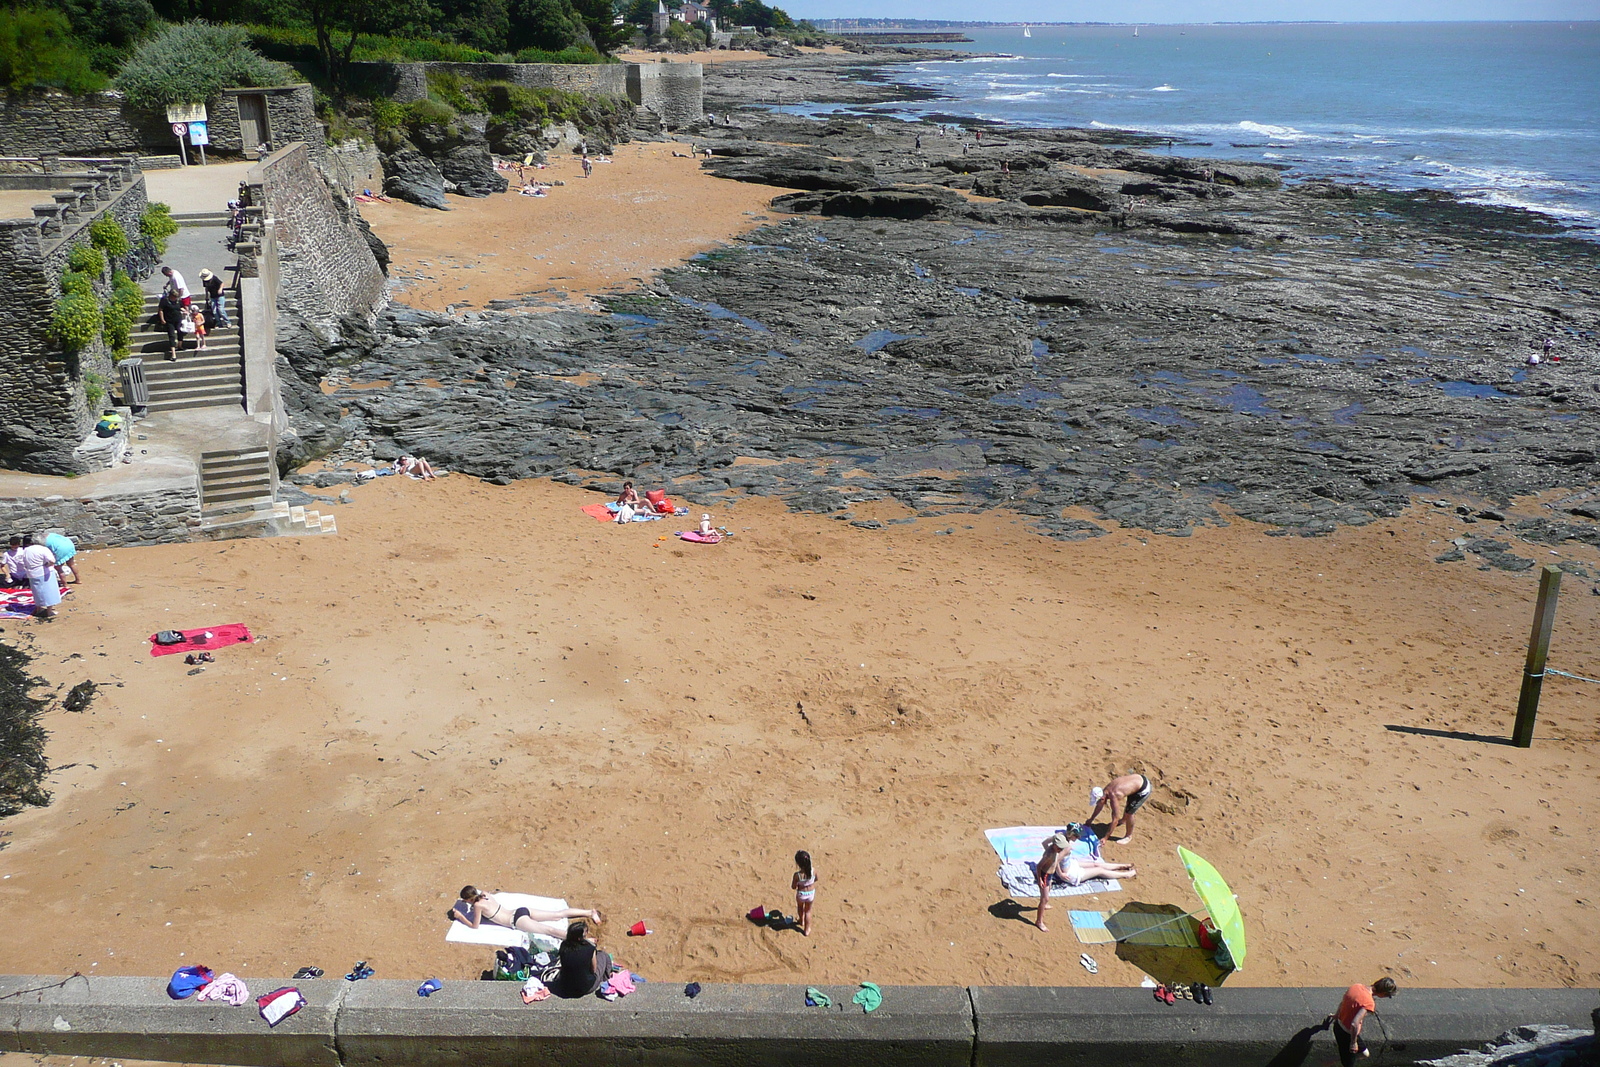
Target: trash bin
[{"x": 135, "y": 392}]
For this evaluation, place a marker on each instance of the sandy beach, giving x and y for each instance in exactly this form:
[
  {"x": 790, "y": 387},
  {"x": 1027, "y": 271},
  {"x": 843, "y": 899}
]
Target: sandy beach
[
  {"x": 650, "y": 207},
  {"x": 482, "y": 684}
]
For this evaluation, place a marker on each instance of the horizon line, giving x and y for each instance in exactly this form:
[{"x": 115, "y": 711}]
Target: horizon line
[{"x": 958, "y": 24}]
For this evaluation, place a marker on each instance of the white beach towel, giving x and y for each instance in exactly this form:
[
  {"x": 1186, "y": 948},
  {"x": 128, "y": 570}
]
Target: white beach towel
[
  {"x": 1019, "y": 847},
  {"x": 504, "y": 936}
]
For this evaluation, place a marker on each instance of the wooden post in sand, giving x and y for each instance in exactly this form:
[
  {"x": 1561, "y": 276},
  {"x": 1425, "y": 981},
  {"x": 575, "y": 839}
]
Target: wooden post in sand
[{"x": 1544, "y": 620}]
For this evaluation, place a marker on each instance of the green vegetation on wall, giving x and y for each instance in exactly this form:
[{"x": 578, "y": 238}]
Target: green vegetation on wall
[
  {"x": 158, "y": 224},
  {"x": 191, "y": 62},
  {"x": 107, "y": 234},
  {"x": 122, "y": 310},
  {"x": 76, "y": 322}
]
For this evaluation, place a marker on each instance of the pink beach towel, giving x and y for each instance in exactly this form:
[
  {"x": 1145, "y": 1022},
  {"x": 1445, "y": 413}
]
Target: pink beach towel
[
  {"x": 698, "y": 538},
  {"x": 233, "y": 633}
]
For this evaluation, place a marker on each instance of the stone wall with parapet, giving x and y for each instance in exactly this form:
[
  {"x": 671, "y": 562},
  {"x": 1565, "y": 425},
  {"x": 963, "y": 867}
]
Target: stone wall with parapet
[
  {"x": 407, "y": 83},
  {"x": 101, "y": 124},
  {"x": 44, "y": 413},
  {"x": 326, "y": 267},
  {"x": 674, "y": 91},
  {"x": 145, "y": 517}
]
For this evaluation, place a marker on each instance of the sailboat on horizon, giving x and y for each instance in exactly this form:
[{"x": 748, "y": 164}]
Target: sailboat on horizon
[
  {"x": 1026, "y": 32},
  {"x": 1136, "y": 31}
]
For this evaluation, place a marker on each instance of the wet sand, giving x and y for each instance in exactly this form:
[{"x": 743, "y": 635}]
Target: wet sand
[{"x": 482, "y": 684}]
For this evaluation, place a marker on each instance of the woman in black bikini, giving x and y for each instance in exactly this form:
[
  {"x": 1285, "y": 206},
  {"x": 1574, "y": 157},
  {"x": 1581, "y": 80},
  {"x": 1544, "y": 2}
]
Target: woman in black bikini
[{"x": 485, "y": 908}]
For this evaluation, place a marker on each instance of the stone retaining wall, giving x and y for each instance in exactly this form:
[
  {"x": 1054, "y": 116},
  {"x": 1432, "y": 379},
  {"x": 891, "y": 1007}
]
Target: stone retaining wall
[
  {"x": 53, "y": 123},
  {"x": 146, "y": 517},
  {"x": 43, "y": 409},
  {"x": 326, "y": 268},
  {"x": 378, "y": 1023},
  {"x": 674, "y": 91}
]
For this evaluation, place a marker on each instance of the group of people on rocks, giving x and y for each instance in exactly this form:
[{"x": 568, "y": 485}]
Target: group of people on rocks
[
  {"x": 41, "y": 562},
  {"x": 177, "y": 314}
]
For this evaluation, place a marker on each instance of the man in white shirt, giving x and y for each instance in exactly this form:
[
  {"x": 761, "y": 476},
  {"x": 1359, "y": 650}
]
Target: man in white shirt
[{"x": 175, "y": 285}]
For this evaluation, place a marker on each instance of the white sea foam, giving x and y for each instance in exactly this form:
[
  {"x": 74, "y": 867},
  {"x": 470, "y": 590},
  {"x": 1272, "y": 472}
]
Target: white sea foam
[
  {"x": 1268, "y": 130},
  {"x": 1163, "y": 89},
  {"x": 1015, "y": 96}
]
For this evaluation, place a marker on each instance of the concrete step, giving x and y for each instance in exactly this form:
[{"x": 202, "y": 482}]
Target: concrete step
[
  {"x": 201, "y": 218},
  {"x": 235, "y": 400},
  {"x": 258, "y": 461},
  {"x": 185, "y": 390},
  {"x": 257, "y": 480},
  {"x": 193, "y": 376},
  {"x": 251, "y": 494},
  {"x": 202, "y": 362}
]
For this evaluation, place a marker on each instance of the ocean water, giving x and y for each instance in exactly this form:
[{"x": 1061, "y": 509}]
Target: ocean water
[{"x": 1499, "y": 113}]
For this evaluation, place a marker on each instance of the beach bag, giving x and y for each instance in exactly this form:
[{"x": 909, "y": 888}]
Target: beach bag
[
  {"x": 185, "y": 324},
  {"x": 169, "y": 637}
]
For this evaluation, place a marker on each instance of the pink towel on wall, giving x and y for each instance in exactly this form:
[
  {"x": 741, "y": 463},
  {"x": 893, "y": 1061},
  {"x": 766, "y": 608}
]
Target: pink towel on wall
[{"x": 232, "y": 633}]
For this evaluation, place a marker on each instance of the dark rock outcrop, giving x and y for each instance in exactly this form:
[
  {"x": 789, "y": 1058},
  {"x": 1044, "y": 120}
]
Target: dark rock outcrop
[
  {"x": 411, "y": 176},
  {"x": 795, "y": 170},
  {"x": 871, "y": 203}
]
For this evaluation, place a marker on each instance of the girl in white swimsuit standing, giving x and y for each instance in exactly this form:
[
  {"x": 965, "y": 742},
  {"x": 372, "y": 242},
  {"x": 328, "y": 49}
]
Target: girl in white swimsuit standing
[{"x": 804, "y": 884}]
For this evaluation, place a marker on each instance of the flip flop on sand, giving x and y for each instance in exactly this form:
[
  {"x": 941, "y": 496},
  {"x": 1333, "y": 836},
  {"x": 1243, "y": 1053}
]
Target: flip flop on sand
[{"x": 1089, "y": 964}]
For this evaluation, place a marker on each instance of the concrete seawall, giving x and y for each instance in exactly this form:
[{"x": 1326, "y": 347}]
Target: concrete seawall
[{"x": 484, "y": 1024}]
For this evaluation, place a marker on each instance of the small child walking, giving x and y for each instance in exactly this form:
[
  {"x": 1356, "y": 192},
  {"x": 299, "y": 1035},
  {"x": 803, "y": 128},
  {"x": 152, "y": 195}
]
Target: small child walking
[
  {"x": 804, "y": 885},
  {"x": 199, "y": 319}
]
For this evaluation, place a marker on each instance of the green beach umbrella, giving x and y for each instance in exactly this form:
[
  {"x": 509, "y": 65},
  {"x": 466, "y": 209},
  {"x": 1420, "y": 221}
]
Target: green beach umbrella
[{"x": 1218, "y": 899}]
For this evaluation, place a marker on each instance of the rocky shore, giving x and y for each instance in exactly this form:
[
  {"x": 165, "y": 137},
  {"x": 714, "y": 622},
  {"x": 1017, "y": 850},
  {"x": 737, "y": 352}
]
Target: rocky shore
[{"x": 1051, "y": 323}]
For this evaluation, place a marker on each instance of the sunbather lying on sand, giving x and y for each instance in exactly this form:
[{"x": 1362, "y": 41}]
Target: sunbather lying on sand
[
  {"x": 414, "y": 466},
  {"x": 1058, "y": 862},
  {"x": 486, "y": 909}
]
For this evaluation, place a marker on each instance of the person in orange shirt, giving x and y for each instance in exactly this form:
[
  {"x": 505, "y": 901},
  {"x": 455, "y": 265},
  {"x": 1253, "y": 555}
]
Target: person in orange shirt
[{"x": 1358, "y": 1002}]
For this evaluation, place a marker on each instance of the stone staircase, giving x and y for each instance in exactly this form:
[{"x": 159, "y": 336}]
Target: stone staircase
[
  {"x": 212, "y": 377},
  {"x": 237, "y": 498},
  {"x": 201, "y": 218}
]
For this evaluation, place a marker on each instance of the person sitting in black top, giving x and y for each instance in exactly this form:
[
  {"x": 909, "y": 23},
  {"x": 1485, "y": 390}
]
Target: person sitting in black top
[{"x": 583, "y": 965}]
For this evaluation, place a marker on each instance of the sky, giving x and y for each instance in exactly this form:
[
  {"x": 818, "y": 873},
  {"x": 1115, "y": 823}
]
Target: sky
[{"x": 1157, "y": 11}]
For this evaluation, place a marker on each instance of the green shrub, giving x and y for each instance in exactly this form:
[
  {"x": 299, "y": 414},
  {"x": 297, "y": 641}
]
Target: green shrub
[
  {"x": 76, "y": 281},
  {"x": 38, "y": 51},
  {"x": 77, "y": 320},
  {"x": 191, "y": 62},
  {"x": 387, "y": 115},
  {"x": 298, "y": 44},
  {"x": 122, "y": 310},
  {"x": 87, "y": 259},
  {"x": 94, "y": 390},
  {"x": 107, "y": 234},
  {"x": 157, "y": 224},
  {"x": 428, "y": 112},
  {"x": 566, "y": 55}
]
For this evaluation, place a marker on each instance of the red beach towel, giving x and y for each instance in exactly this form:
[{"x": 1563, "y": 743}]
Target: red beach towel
[
  {"x": 18, "y": 603},
  {"x": 599, "y": 511},
  {"x": 233, "y": 633}
]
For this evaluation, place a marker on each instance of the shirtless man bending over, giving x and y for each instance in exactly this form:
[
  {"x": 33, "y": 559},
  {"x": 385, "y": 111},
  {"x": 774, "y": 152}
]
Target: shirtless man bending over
[{"x": 1126, "y": 794}]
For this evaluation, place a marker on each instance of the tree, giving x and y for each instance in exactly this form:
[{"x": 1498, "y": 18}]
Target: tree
[
  {"x": 354, "y": 18},
  {"x": 38, "y": 50},
  {"x": 547, "y": 24},
  {"x": 599, "y": 18},
  {"x": 192, "y": 62}
]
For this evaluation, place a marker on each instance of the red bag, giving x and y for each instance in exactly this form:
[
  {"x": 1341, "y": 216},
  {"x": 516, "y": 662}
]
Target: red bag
[
  {"x": 758, "y": 914},
  {"x": 659, "y": 502},
  {"x": 1209, "y": 938}
]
